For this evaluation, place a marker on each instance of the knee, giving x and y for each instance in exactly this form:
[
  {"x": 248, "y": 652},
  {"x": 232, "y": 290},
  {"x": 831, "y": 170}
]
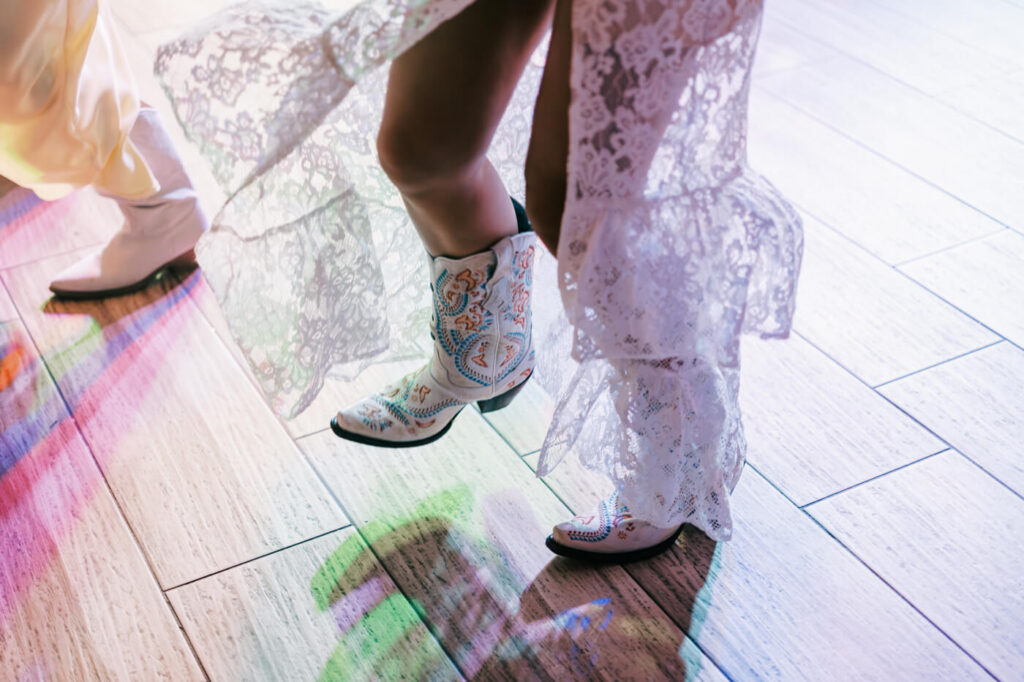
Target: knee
[
  {"x": 545, "y": 200},
  {"x": 416, "y": 162}
]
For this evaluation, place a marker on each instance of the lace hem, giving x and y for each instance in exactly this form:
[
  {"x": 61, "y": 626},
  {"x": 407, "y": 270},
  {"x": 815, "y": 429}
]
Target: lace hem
[
  {"x": 670, "y": 247},
  {"x": 657, "y": 295}
]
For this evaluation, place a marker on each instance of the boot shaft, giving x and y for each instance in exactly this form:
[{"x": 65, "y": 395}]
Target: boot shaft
[
  {"x": 481, "y": 321},
  {"x": 175, "y": 201}
]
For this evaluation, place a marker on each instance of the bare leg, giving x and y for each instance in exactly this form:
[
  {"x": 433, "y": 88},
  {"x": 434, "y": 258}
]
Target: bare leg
[
  {"x": 549, "y": 139},
  {"x": 445, "y": 98}
]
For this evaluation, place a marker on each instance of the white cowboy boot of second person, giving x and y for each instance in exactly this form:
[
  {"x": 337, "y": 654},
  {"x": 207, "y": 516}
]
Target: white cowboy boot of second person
[
  {"x": 159, "y": 231},
  {"x": 610, "y": 534},
  {"x": 483, "y": 352}
]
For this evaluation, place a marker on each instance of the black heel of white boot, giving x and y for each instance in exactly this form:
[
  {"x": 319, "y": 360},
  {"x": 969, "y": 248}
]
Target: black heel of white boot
[
  {"x": 500, "y": 401},
  {"x": 468, "y": 325}
]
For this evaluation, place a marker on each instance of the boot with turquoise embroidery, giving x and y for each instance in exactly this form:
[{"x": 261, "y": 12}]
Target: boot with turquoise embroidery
[
  {"x": 610, "y": 534},
  {"x": 483, "y": 351}
]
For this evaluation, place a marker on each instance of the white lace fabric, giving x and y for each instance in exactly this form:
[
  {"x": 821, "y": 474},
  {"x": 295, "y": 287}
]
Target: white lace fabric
[{"x": 670, "y": 246}]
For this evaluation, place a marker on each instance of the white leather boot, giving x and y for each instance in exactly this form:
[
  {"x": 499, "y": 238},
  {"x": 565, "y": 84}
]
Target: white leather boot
[
  {"x": 610, "y": 535},
  {"x": 159, "y": 231},
  {"x": 483, "y": 350}
]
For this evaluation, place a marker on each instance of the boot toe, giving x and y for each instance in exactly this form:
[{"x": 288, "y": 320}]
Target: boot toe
[
  {"x": 82, "y": 276},
  {"x": 561, "y": 532}
]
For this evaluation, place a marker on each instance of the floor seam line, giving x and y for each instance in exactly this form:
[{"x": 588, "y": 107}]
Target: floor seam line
[
  {"x": 640, "y": 585},
  {"x": 858, "y": 484},
  {"x": 383, "y": 566},
  {"x": 258, "y": 557},
  {"x": 939, "y": 364},
  {"x": 878, "y": 575},
  {"x": 951, "y": 247},
  {"x": 69, "y": 414},
  {"x": 879, "y": 154},
  {"x": 933, "y": 97}
]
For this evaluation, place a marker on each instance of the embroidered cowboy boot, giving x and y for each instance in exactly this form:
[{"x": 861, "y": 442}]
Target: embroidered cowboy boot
[
  {"x": 159, "y": 231},
  {"x": 483, "y": 351},
  {"x": 610, "y": 535}
]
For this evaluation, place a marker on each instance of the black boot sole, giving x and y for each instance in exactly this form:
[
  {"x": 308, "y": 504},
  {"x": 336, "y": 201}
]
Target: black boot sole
[
  {"x": 489, "y": 405},
  {"x": 613, "y": 557},
  {"x": 147, "y": 281}
]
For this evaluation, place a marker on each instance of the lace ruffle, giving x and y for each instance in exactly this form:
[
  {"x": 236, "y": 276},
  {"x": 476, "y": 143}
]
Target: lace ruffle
[
  {"x": 657, "y": 295},
  {"x": 670, "y": 246}
]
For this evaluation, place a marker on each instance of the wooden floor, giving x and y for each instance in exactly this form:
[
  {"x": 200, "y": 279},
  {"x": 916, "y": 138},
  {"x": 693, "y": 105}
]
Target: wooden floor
[{"x": 158, "y": 522}]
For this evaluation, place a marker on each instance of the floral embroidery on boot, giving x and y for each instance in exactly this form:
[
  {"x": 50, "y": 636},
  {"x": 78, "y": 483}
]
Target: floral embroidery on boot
[
  {"x": 481, "y": 327},
  {"x": 611, "y": 534}
]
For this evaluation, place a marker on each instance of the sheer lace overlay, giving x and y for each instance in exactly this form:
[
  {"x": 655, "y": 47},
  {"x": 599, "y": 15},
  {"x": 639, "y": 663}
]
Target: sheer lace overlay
[{"x": 670, "y": 247}]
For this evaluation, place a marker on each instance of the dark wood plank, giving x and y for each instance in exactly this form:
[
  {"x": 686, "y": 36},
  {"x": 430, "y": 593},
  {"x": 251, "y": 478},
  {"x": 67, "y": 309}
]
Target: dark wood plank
[
  {"x": 460, "y": 526},
  {"x": 782, "y": 600},
  {"x": 321, "y": 610}
]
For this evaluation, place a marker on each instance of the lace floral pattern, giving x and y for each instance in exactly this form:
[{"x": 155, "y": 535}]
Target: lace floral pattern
[
  {"x": 670, "y": 248},
  {"x": 284, "y": 100}
]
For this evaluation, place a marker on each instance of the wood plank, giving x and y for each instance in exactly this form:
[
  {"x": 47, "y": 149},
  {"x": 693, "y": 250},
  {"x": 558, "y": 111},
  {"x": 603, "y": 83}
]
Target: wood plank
[
  {"x": 812, "y": 429},
  {"x": 915, "y": 528},
  {"x": 870, "y": 318},
  {"x": 973, "y": 403},
  {"x": 984, "y": 278},
  {"x": 877, "y": 204},
  {"x": 890, "y": 42},
  {"x": 975, "y": 163},
  {"x": 781, "y": 47},
  {"x": 525, "y": 422},
  {"x": 31, "y": 228},
  {"x": 335, "y": 393},
  {"x": 7, "y": 309},
  {"x": 782, "y": 600},
  {"x": 322, "y": 610},
  {"x": 995, "y": 100},
  {"x": 460, "y": 526},
  {"x": 77, "y": 601},
  {"x": 202, "y": 295},
  {"x": 206, "y": 475},
  {"x": 991, "y": 26}
]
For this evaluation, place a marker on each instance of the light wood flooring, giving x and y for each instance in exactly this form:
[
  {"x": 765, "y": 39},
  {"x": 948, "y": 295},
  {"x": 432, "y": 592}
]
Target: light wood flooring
[{"x": 158, "y": 522}]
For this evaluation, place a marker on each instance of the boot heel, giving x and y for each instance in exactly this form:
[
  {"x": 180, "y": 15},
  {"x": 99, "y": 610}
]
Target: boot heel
[{"x": 500, "y": 401}]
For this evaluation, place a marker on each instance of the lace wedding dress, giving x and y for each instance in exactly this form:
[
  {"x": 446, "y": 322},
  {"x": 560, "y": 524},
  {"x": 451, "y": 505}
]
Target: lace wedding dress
[{"x": 670, "y": 246}]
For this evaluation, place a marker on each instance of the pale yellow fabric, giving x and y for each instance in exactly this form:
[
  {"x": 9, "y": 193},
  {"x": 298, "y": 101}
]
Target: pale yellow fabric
[{"x": 67, "y": 100}]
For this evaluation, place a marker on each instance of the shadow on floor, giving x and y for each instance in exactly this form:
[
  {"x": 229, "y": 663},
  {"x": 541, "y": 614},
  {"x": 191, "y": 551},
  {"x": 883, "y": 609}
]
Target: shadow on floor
[{"x": 572, "y": 621}]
